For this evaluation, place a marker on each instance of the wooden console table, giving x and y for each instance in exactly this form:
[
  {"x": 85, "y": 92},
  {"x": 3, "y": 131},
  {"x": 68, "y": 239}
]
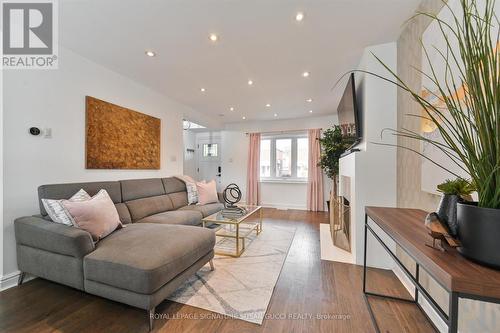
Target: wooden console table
[{"x": 462, "y": 278}]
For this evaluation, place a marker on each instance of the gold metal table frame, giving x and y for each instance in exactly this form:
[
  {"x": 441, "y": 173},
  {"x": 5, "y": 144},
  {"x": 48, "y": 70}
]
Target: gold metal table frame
[{"x": 239, "y": 229}]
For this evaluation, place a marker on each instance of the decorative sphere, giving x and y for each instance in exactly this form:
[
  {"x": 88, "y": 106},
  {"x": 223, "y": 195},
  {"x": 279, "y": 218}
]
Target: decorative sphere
[{"x": 231, "y": 195}]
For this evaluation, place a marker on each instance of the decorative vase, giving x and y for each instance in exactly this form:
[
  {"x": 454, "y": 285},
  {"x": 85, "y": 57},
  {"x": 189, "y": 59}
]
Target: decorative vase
[
  {"x": 479, "y": 233},
  {"x": 447, "y": 212}
]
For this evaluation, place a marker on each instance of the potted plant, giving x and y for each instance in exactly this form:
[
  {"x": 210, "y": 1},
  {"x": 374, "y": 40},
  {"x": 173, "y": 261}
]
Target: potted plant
[
  {"x": 333, "y": 145},
  {"x": 454, "y": 192},
  {"x": 467, "y": 119}
]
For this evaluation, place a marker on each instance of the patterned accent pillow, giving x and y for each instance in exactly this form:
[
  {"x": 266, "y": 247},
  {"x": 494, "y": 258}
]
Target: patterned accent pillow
[
  {"x": 192, "y": 193},
  {"x": 58, "y": 213}
]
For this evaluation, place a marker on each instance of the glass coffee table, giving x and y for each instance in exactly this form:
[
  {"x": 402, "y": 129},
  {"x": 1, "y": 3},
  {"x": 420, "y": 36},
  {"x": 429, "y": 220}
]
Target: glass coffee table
[{"x": 238, "y": 228}]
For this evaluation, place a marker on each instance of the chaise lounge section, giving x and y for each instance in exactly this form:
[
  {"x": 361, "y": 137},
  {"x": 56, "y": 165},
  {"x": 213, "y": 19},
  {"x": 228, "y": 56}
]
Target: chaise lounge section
[{"x": 140, "y": 264}]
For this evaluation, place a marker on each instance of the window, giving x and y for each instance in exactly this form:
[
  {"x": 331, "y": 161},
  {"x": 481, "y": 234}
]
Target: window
[
  {"x": 284, "y": 157},
  {"x": 210, "y": 150},
  {"x": 265, "y": 158}
]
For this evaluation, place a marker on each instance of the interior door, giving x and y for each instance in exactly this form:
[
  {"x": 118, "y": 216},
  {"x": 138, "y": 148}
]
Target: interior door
[{"x": 209, "y": 161}]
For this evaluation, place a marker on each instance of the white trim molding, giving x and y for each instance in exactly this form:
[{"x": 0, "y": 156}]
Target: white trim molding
[{"x": 10, "y": 280}]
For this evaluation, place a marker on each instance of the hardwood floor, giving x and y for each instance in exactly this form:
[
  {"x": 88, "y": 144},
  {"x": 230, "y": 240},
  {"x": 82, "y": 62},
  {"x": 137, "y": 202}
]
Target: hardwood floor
[{"x": 307, "y": 287}]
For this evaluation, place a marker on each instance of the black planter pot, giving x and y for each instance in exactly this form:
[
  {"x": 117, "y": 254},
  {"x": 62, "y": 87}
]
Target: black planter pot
[
  {"x": 479, "y": 233},
  {"x": 447, "y": 211}
]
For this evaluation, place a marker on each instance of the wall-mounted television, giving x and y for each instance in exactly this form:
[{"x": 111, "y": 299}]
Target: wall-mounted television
[{"x": 349, "y": 112}]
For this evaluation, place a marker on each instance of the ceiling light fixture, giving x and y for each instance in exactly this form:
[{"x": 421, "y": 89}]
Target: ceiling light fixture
[
  {"x": 268, "y": 105},
  {"x": 275, "y": 114},
  {"x": 213, "y": 37},
  {"x": 299, "y": 17},
  {"x": 309, "y": 100},
  {"x": 150, "y": 53},
  {"x": 203, "y": 90},
  {"x": 310, "y": 111},
  {"x": 305, "y": 74},
  {"x": 231, "y": 109},
  {"x": 243, "y": 117},
  {"x": 250, "y": 82}
]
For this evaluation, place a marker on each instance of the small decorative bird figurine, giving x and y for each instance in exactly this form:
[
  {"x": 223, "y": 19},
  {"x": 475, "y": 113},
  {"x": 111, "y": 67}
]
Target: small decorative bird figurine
[{"x": 439, "y": 231}]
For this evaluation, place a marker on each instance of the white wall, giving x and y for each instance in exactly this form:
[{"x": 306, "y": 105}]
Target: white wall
[
  {"x": 234, "y": 160},
  {"x": 56, "y": 99}
]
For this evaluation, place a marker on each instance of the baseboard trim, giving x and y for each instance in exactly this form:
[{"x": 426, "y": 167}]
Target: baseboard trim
[
  {"x": 283, "y": 206},
  {"x": 10, "y": 280}
]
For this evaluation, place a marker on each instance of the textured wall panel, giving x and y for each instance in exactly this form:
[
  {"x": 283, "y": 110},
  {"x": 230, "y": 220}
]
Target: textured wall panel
[{"x": 119, "y": 138}]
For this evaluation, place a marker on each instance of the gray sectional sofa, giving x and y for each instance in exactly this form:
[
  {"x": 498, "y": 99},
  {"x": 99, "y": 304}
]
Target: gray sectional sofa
[{"x": 140, "y": 264}]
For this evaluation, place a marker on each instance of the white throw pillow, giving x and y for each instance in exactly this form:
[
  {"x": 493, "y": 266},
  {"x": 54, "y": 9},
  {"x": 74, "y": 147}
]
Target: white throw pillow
[{"x": 58, "y": 213}]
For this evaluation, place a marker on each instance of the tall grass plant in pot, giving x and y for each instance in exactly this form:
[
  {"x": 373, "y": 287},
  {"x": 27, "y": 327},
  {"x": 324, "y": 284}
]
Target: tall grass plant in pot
[{"x": 468, "y": 121}]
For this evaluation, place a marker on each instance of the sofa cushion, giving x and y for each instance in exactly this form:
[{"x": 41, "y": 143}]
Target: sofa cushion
[
  {"x": 141, "y": 188},
  {"x": 143, "y": 257},
  {"x": 185, "y": 217},
  {"x": 205, "y": 210},
  {"x": 141, "y": 208},
  {"x": 123, "y": 212},
  {"x": 173, "y": 185},
  {"x": 179, "y": 199},
  {"x": 65, "y": 191}
]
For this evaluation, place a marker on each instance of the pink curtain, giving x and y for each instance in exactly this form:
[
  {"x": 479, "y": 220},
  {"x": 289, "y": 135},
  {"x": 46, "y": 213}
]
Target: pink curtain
[
  {"x": 253, "y": 173},
  {"x": 315, "y": 202}
]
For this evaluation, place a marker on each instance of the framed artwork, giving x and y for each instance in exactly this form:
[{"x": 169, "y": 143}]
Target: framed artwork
[{"x": 120, "y": 138}]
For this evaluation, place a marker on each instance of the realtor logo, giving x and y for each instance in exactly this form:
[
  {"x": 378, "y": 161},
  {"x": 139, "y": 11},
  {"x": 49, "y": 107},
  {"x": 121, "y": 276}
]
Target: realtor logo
[{"x": 29, "y": 37}]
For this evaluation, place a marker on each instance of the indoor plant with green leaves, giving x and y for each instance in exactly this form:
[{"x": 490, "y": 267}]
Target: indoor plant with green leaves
[
  {"x": 468, "y": 123},
  {"x": 454, "y": 192},
  {"x": 333, "y": 145}
]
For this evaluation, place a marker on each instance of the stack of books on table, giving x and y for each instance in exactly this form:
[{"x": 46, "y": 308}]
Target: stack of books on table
[{"x": 233, "y": 212}]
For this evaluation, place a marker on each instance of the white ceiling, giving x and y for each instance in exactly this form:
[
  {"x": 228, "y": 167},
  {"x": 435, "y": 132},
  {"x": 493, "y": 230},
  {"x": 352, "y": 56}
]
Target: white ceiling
[{"x": 258, "y": 40}]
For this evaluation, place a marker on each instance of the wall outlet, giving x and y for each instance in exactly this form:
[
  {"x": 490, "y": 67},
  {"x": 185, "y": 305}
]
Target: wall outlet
[{"x": 47, "y": 133}]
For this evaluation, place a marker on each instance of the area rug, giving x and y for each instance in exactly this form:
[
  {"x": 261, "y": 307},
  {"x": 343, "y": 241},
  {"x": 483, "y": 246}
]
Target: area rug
[{"x": 241, "y": 287}]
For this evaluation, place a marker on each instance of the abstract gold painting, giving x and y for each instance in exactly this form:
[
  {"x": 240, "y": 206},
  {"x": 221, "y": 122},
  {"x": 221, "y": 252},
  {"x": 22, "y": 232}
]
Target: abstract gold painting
[{"x": 120, "y": 138}]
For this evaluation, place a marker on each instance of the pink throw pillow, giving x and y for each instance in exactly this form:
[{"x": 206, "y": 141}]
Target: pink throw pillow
[
  {"x": 207, "y": 192},
  {"x": 98, "y": 215}
]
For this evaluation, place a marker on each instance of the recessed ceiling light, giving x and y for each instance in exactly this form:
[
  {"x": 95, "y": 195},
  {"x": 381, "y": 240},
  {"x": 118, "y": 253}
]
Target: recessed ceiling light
[
  {"x": 268, "y": 105},
  {"x": 299, "y": 16},
  {"x": 305, "y": 74},
  {"x": 310, "y": 111},
  {"x": 250, "y": 82},
  {"x": 203, "y": 90},
  {"x": 275, "y": 114},
  {"x": 150, "y": 53},
  {"x": 213, "y": 37},
  {"x": 231, "y": 109},
  {"x": 309, "y": 100},
  {"x": 243, "y": 117}
]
